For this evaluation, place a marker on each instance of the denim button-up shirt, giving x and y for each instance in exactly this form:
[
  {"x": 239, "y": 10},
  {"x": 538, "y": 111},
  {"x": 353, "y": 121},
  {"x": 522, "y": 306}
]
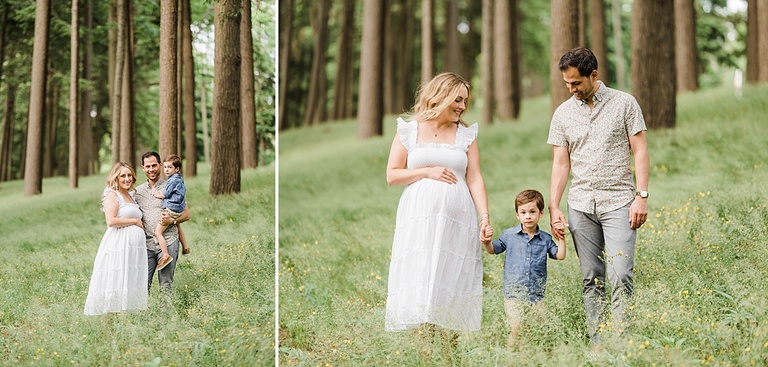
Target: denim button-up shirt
[{"x": 525, "y": 266}]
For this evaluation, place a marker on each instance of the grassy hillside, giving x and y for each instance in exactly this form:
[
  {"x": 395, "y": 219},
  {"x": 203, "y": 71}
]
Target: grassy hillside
[
  {"x": 222, "y": 308},
  {"x": 700, "y": 274}
]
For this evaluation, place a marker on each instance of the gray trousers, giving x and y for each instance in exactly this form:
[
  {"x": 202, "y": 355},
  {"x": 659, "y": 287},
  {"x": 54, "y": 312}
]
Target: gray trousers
[
  {"x": 605, "y": 245},
  {"x": 165, "y": 276}
]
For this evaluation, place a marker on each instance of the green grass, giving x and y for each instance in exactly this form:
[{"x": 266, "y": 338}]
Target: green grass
[
  {"x": 221, "y": 312},
  {"x": 701, "y": 294}
]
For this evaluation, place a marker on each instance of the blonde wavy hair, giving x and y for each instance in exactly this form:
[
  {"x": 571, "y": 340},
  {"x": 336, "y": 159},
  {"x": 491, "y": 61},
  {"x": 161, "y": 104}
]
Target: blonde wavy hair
[
  {"x": 436, "y": 95},
  {"x": 112, "y": 176}
]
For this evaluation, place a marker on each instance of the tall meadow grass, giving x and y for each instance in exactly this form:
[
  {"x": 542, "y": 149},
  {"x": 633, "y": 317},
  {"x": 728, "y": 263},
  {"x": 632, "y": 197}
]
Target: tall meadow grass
[
  {"x": 221, "y": 311},
  {"x": 701, "y": 295}
]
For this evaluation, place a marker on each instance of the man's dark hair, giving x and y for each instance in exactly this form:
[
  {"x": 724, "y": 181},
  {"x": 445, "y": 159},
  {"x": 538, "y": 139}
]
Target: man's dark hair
[
  {"x": 150, "y": 154},
  {"x": 580, "y": 58}
]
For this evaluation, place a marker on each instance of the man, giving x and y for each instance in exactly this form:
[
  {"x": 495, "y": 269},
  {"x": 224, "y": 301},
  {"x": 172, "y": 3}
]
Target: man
[
  {"x": 592, "y": 135},
  {"x": 152, "y": 213}
]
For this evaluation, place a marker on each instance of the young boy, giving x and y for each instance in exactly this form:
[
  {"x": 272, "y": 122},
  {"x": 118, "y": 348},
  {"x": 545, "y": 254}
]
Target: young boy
[
  {"x": 174, "y": 202},
  {"x": 525, "y": 266}
]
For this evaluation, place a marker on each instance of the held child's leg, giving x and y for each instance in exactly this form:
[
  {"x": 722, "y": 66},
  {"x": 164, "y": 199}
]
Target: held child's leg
[
  {"x": 514, "y": 310},
  {"x": 160, "y": 239}
]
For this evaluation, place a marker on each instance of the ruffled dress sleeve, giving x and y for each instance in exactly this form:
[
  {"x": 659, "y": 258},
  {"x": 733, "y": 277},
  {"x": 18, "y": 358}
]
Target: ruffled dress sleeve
[
  {"x": 406, "y": 130},
  {"x": 466, "y": 135}
]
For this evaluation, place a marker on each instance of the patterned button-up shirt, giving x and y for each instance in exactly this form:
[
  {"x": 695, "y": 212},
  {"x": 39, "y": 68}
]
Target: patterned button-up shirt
[
  {"x": 525, "y": 265},
  {"x": 598, "y": 145},
  {"x": 151, "y": 208}
]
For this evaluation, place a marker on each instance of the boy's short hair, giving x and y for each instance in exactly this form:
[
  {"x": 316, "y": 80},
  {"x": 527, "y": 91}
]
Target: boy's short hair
[
  {"x": 176, "y": 160},
  {"x": 528, "y": 196}
]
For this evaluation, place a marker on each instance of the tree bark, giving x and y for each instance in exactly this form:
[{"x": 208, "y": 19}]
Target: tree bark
[
  {"x": 85, "y": 135},
  {"x": 564, "y": 37},
  {"x": 342, "y": 104},
  {"x": 179, "y": 79},
  {"x": 752, "y": 37},
  {"x": 117, "y": 86},
  {"x": 599, "y": 45},
  {"x": 452, "y": 43},
  {"x": 762, "y": 41},
  {"x": 314, "y": 112},
  {"x": 286, "y": 25},
  {"x": 404, "y": 89},
  {"x": 653, "y": 79},
  {"x": 503, "y": 62},
  {"x": 225, "y": 155},
  {"x": 686, "y": 59},
  {"x": 371, "y": 101},
  {"x": 618, "y": 46},
  {"x": 427, "y": 43},
  {"x": 190, "y": 125},
  {"x": 168, "y": 93},
  {"x": 33, "y": 179},
  {"x": 74, "y": 91},
  {"x": 7, "y": 129},
  {"x": 204, "y": 117},
  {"x": 250, "y": 151},
  {"x": 486, "y": 70},
  {"x": 127, "y": 119},
  {"x": 582, "y": 25},
  {"x": 6, "y": 145}
]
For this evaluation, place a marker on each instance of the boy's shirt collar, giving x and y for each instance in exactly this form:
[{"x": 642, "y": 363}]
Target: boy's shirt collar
[{"x": 519, "y": 229}]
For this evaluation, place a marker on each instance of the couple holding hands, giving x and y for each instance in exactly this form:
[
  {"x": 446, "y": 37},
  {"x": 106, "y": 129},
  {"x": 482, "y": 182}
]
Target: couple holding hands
[{"x": 435, "y": 275}]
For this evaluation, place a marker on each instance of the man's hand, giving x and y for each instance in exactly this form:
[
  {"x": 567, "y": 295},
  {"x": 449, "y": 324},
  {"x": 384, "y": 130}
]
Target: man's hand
[{"x": 558, "y": 223}]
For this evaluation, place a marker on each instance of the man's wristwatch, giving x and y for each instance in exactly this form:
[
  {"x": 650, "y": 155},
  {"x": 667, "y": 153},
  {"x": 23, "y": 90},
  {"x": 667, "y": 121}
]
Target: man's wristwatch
[{"x": 642, "y": 194}]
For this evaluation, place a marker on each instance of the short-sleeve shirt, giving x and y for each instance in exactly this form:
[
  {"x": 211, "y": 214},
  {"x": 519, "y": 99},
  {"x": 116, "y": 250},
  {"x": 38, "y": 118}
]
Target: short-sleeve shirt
[
  {"x": 525, "y": 265},
  {"x": 151, "y": 208},
  {"x": 599, "y": 149}
]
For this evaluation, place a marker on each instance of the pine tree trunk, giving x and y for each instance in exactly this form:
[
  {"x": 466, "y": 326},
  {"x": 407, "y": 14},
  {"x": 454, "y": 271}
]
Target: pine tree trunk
[
  {"x": 169, "y": 95},
  {"x": 598, "y": 41},
  {"x": 752, "y": 37},
  {"x": 686, "y": 59},
  {"x": 86, "y": 130},
  {"x": 618, "y": 46},
  {"x": 179, "y": 79},
  {"x": 405, "y": 90},
  {"x": 285, "y": 23},
  {"x": 506, "y": 62},
  {"x": 225, "y": 154},
  {"x": 653, "y": 80},
  {"x": 204, "y": 122},
  {"x": 427, "y": 42},
  {"x": 342, "y": 104},
  {"x": 127, "y": 119},
  {"x": 74, "y": 91},
  {"x": 486, "y": 70},
  {"x": 370, "y": 104},
  {"x": 6, "y": 145},
  {"x": 48, "y": 126},
  {"x": 762, "y": 41},
  {"x": 117, "y": 86},
  {"x": 5, "y": 133},
  {"x": 452, "y": 43},
  {"x": 33, "y": 175},
  {"x": 190, "y": 125},
  {"x": 316, "y": 104},
  {"x": 582, "y": 25},
  {"x": 564, "y": 36},
  {"x": 250, "y": 151}
]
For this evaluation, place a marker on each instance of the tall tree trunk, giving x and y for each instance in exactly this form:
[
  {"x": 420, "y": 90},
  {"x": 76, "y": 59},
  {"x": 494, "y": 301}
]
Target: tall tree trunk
[
  {"x": 112, "y": 50},
  {"x": 598, "y": 42},
  {"x": 582, "y": 25},
  {"x": 190, "y": 125},
  {"x": 179, "y": 78},
  {"x": 564, "y": 36},
  {"x": 405, "y": 93},
  {"x": 370, "y": 104},
  {"x": 315, "y": 104},
  {"x": 168, "y": 93},
  {"x": 204, "y": 118},
  {"x": 127, "y": 119},
  {"x": 85, "y": 135},
  {"x": 5, "y": 143},
  {"x": 653, "y": 80},
  {"x": 752, "y": 37},
  {"x": 225, "y": 155},
  {"x": 250, "y": 151},
  {"x": 427, "y": 43},
  {"x": 486, "y": 70},
  {"x": 342, "y": 104},
  {"x": 506, "y": 62},
  {"x": 6, "y": 146},
  {"x": 117, "y": 86},
  {"x": 452, "y": 43},
  {"x": 74, "y": 91},
  {"x": 618, "y": 46},
  {"x": 686, "y": 59},
  {"x": 33, "y": 178},
  {"x": 285, "y": 23},
  {"x": 762, "y": 41},
  {"x": 388, "y": 64}
]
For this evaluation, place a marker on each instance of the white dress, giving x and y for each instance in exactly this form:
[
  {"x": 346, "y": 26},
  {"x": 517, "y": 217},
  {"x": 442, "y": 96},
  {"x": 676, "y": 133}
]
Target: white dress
[
  {"x": 119, "y": 279},
  {"x": 436, "y": 271}
]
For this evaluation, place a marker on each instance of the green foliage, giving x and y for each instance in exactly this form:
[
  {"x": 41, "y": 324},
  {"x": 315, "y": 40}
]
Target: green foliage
[
  {"x": 222, "y": 308},
  {"x": 700, "y": 294}
]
